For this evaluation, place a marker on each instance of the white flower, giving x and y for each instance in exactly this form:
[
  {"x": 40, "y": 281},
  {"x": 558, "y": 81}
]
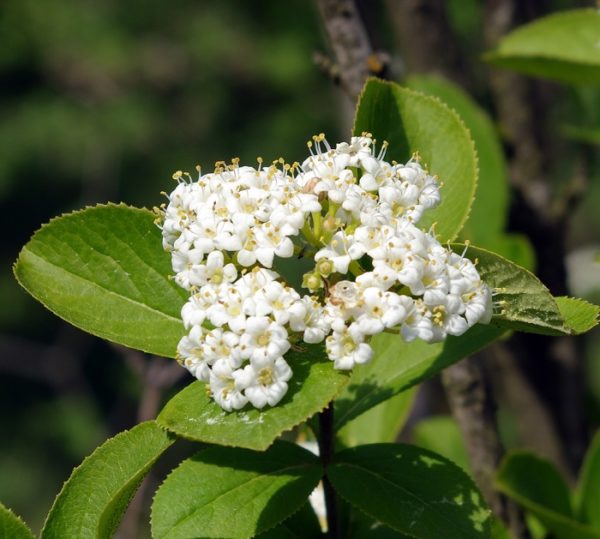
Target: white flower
[
  {"x": 341, "y": 250},
  {"x": 263, "y": 340},
  {"x": 374, "y": 269},
  {"x": 380, "y": 310},
  {"x": 226, "y": 386},
  {"x": 267, "y": 384},
  {"x": 190, "y": 354},
  {"x": 308, "y": 316},
  {"x": 347, "y": 350}
]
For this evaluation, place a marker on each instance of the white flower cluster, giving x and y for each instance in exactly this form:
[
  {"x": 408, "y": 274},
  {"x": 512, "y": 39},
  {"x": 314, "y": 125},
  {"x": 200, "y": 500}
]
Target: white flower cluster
[{"x": 350, "y": 211}]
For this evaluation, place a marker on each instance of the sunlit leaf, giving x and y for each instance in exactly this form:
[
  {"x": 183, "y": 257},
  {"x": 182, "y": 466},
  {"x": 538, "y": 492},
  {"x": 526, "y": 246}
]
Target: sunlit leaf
[
  {"x": 413, "y": 122},
  {"x": 562, "y": 46},
  {"x": 192, "y": 414},
  {"x": 489, "y": 210},
  {"x": 411, "y": 490},
  {"x": 232, "y": 492},
  {"x": 103, "y": 269},
  {"x": 11, "y": 526},
  {"x": 93, "y": 500},
  {"x": 579, "y": 315},
  {"x": 523, "y": 302}
]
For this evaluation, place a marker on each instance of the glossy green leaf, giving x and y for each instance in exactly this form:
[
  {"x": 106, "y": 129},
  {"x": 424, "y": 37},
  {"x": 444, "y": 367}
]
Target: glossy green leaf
[
  {"x": 413, "y": 122},
  {"x": 489, "y": 210},
  {"x": 562, "y": 47},
  {"x": 579, "y": 315},
  {"x": 232, "y": 492},
  {"x": 397, "y": 365},
  {"x": 192, "y": 414},
  {"x": 535, "y": 484},
  {"x": 11, "y": 526},
  {"x": 303, "y": 524},
  {"x": 411, "y": 490},
  {"x": 382, "y": 423},
  {"x": 441, "y": 435},
  {"x": 93, "y": 500},
  {"x": 103, "y": 269},
  {"x": 524, "y": 303},
  {"x": 588, "y": 492}
]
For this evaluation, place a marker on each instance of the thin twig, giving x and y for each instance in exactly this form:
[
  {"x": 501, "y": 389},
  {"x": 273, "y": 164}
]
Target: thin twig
[
  {"x": 326, "y": 440},
  {"x": 355, "y": 59}
]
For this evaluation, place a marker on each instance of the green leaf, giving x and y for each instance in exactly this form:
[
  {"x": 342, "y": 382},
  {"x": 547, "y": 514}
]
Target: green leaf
[
  {"x": 411, "y": 490},
  {"x": 579, "y": 315},
  {"x": 413, "y": 122},
  {"x": 528, "y": 305},
  {"x": 488, "y": 214},
  {"x": 382, "y": 423},
  {"x": 11, "y": 526},
  {"x": 193, "y": 415},
  {"x": 587, "y": 135},
  {"x": 397, "y": 365},
  {"x": 303, "y": 524},
  {"x": 536, "y": 485},
  {"x": 231, "y": 492},
  {"x": 441, "y": 435},
  {"x": 514, "y": 247},
  {"x": 93, "y": 500},
  {"x": 562, "y": 47},
  {"x": 588, "y": 492},
  {"x": 103, "y": 269}
]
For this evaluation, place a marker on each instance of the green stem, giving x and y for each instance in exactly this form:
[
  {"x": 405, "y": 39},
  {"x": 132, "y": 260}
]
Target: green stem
[{"x": 326, "y": 440}]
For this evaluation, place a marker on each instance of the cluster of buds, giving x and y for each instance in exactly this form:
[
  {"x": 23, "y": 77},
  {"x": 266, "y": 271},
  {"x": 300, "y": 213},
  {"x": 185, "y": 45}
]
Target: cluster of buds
[{"x": 351, "y": 212}]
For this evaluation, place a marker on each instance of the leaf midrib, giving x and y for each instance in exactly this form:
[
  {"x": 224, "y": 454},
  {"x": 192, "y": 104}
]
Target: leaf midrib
[
  {"x": 145, "y": 306},
  {"x": 226, "y": 493},
  {"x": 403, "y": 489}
]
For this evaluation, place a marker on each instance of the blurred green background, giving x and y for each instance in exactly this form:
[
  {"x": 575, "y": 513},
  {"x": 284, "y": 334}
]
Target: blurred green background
[{"x": 102, "y": 101}]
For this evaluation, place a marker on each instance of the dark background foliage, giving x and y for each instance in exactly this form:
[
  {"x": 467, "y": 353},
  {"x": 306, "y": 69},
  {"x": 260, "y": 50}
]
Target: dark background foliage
[{"x": 103, "y": 100}]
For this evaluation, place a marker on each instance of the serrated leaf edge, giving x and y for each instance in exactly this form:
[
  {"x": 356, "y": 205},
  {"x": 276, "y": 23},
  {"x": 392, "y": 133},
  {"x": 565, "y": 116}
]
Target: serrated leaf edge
[
  {"x": 91, "y": 455},
  {"x": 67, "y": 215},
  {"x": 461, "y": 123},
  {"x": 262, "y": 447},
  {"x": 17, "y": 518},
  {"x": 211, "y": 446}
]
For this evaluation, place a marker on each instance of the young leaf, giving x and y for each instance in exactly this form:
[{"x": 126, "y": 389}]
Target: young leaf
[
  {"x": 397, "y": 365},
  {"x": 231, "y": 492},
  {"x": 413, "y": 122},
  {"x": 536, "y": 485},
  {"x": 528, "y": 305},
  {"x": 489, "y": 210},
  {"x": 589, "y": 486},
  {"x": 11, "y": 526},
  {"x": 93, "y": 500},
  {"x": 192, "y": 414},
  {"x": 103, "y": 269},
  {"x": 382, "y": 423},
  {"x": 411, "y": 490},
  {"x": 579, "y": 315},
  {"x": 562, "y": 47}
]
